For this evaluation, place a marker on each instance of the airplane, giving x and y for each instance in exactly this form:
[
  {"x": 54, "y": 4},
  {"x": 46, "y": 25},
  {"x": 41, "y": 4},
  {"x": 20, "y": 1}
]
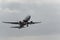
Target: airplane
[{"x": 23, "y": 23}]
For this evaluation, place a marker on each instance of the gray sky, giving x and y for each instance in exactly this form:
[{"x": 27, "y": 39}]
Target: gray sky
[{"x": 48, "y": 12}]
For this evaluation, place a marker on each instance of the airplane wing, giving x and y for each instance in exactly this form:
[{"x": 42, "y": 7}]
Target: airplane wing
[
  {"x": 11, "y": 22},
  {"x": 36, "y": 22},
  {"x": 33, "y": 22},
  {"x": 15, "y": 27},
  {"x": 19, "y": 27}
]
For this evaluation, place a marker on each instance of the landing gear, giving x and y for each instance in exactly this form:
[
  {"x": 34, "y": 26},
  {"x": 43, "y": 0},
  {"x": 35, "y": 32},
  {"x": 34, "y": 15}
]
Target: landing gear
[{"x": 27, "y": 25}]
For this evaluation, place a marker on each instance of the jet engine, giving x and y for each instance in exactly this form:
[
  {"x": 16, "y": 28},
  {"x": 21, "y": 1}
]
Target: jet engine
[
  {"x": 20, "y": 22},
  {"x": 31, "y": 22}
]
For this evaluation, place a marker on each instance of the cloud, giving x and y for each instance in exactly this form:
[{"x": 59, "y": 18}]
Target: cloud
[
  {"x": 33, "y": 1},
  {"x": 41, "y": 37},
  {"x": 8, "y": 10},
  {"x": 46, "y": 13}
]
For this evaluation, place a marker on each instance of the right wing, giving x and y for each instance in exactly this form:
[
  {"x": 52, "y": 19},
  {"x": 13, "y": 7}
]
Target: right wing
[
  {"x": 21, "y": 26},
  {"x": 33, "y": 22},
  {"x": 11, "y": 22}
]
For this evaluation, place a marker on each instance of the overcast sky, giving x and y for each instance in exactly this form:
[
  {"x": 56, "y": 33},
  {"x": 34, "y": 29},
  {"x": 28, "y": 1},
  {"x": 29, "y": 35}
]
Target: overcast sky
[{"x": 46, "y": 11}]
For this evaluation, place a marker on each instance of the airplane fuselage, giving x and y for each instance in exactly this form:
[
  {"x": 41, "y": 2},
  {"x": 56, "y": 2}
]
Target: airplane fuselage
[{"x": 27, "y": 19}]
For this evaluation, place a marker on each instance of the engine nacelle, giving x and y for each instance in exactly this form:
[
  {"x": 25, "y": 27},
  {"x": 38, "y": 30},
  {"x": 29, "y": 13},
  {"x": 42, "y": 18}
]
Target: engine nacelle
[
  {"x": 31, "y": 21},
  {"x": 20, "y": 22}
]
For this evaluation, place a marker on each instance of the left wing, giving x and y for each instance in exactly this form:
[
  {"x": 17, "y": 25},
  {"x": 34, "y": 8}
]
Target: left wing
[{"x": 11, "y": 22}]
